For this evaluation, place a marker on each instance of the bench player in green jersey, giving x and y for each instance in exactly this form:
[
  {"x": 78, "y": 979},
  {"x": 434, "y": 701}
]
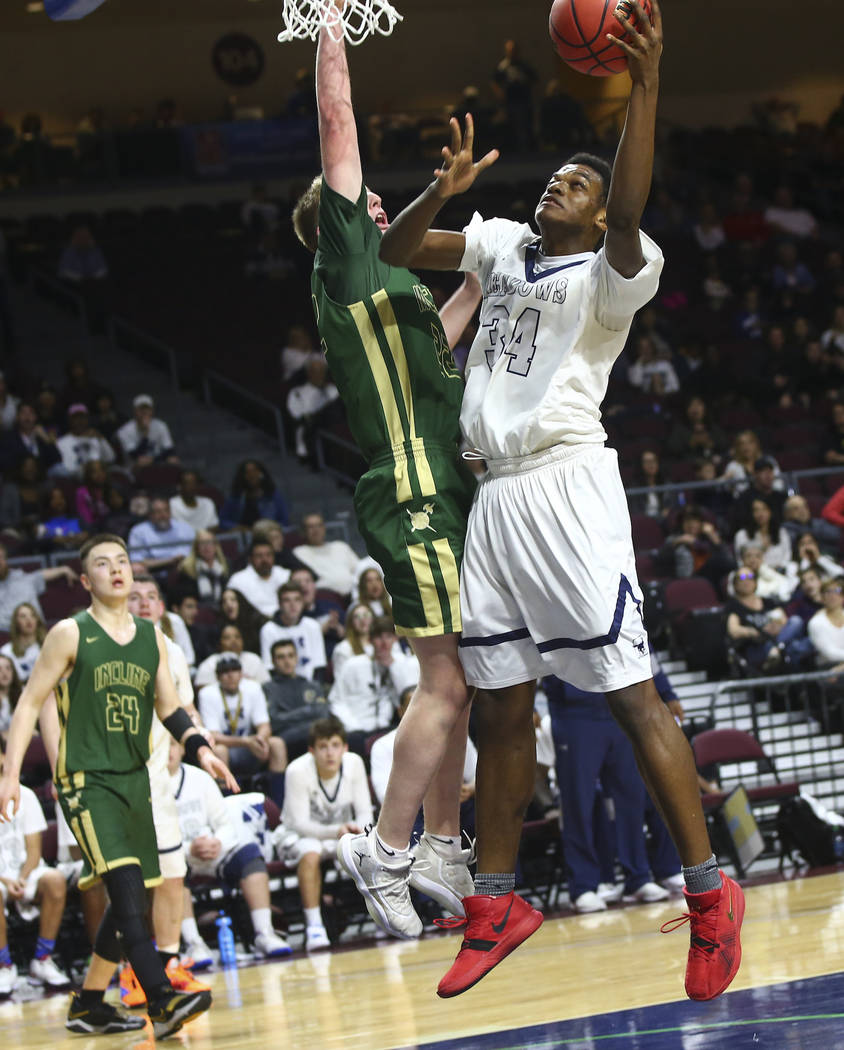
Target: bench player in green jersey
[
  {"x": 389, "y": 355},
  {"x": 109, "y": 671}
]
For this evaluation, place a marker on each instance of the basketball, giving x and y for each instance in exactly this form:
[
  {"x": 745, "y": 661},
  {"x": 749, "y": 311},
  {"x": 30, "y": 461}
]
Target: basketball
[{"x": 578, "y": 30}]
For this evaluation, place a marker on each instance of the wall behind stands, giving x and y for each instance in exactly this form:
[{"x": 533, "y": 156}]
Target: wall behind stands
[{"x": 720, "y": 58}]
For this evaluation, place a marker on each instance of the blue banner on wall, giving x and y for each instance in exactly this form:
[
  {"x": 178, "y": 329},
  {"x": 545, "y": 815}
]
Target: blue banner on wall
[{"x": 252, "y": 148}]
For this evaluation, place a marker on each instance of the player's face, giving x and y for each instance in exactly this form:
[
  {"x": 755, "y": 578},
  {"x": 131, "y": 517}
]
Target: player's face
[
  {"x": 572, "y": 199},
  {"x": 108, "y": 572},
  {"x": 145, "y": 603},
  {"x": 328, "y": 754},
  {"x": 376, "y": 210}
]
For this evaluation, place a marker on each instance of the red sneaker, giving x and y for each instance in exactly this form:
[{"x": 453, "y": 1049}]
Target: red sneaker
[
  {"x": 715, "y": 948},
  {"x": 494, "y": 927}
]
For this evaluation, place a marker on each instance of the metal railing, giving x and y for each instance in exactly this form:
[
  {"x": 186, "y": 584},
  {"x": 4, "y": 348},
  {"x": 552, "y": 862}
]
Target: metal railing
[
  {"x": 791, "y": 480},
  {"x": 224, "y": 393},
  {"x": 325, "y": 439},
  {"x": 147, "y": 347}
]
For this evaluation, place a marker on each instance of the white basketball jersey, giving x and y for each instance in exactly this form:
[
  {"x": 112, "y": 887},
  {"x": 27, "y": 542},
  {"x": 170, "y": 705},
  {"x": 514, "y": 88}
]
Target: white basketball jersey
[{"x": 550, "y": 331}]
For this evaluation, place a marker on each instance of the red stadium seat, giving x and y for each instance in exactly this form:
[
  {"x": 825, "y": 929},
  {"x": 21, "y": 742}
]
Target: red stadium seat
[{"x": 647, "y": 532}]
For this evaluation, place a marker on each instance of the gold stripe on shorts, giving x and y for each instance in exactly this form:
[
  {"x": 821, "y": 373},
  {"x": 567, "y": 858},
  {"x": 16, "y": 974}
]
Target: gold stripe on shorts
[
  {"x": 418, "y": 554},
  {"x": 83, "y": 828},
  {"x": 451, "y": 578}
]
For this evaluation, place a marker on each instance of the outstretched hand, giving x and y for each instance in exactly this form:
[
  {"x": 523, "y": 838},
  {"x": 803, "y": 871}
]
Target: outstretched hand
[
  {"x": 218, "y": 769},
  {"x": 459, "y": 168},
  {"x": 643, "y": 47}
]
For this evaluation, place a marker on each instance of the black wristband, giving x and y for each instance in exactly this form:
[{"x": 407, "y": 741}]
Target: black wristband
[
  {"x": 192, "y": 745},
  {"x": 178, "y": 723}
]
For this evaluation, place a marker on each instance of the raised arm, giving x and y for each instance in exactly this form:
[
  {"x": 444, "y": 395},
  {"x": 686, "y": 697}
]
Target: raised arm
[
  {"x": 54, "y": 662},
  {"x": 338, "y": 133},
  {"x": 633, "y": 168},
  {"x": 409, "y": 241},
  {"x": 457, "y": 311}
]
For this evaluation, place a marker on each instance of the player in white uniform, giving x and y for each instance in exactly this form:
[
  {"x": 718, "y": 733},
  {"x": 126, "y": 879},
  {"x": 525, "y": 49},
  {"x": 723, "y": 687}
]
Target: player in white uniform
[{"x": 549, "y": 582}]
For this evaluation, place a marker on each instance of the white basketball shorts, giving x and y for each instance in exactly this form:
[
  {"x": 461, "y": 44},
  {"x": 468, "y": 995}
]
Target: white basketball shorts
[
  {"x": 548, "y": 584},
  {"x": 168, "y": 835}
]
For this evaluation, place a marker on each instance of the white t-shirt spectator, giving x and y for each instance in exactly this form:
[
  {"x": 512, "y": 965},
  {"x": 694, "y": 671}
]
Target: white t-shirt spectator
[
  {"x": 237, "y": 714},
  {"x": 306, "y": 635},
  {"x": 797, "y": 221},
  {"x": 18, "y": 587},
  {"x": 202, "y": 516},
  {"x": 25, "y": 662},
  {"x": 202, "y": 811},
  {"x": 308, "y": 399},
  {"x": 260, "y": 592},
  {"x": 146, "y": 541},
  {"x": 827, "y": 639},
  {"x": 182, "y": 638},
  {"x": 156, "y": 442},
  {"x": 381, "y": 762},
  {"x": 317, "y": 809},
  {"x": 250, "y": 663},
  {"x": 366, "y": 695},
  {"x": 334, "y": 564},
  {"x": 343, "y": 652},
  {"x": 643, "y": 375},
  {"x": 28, "y": 820},
  {"x": 77, "y": 451}
]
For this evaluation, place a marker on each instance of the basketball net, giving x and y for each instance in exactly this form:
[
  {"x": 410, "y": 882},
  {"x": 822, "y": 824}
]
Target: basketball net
[{"x": 359, "y": 19}]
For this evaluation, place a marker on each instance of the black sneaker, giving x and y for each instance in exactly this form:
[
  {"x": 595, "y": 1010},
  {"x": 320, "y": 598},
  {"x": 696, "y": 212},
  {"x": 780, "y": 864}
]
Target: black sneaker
[
  {"x": 100, "y": 1019},
  {"x": 170, "y": 1013}
]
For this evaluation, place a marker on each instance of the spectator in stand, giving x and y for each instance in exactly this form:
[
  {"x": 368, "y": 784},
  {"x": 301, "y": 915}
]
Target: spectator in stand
[
  {"x": 160, "y": 542},
  {"x": 298, "y": 349},
  {"x": 309, "y": 405},
  {"x": 649, "y": 475},
  {"x": 769, "y": 582},
  {"x": 303, "y": 631},
  {"x": 27, "y": 438},
  {"x": 764, "y": 530},
  {"x": 205, "y": 569},
  {"x": 327, "y": 612},
  {"x": 47, "y": 409},
  {"x": 513, "y": 82},
  {"x": 359, "y": 619},
  {"x": 121, "y": 512},
  {"x": 371, "y": 590},
  {"x": 187, "y": 505},
  {"x": 808, "y": 555},
  {"x": 797, "y": 519},
  {"x": 17, "y": 586},
  {"x": 57, "y": 528},
  {"x": 82, "y": 259},
  {"x": 833, "y": 446},
  {"x": 806, "y": 600},
  {"x": 146, "y": 439},
  {"x": 716, "y": 500},
  {"x": 92, "y": 505},
  {"x": 234, "y": 711},
  {"x": 26, "y": 880},
  {"x": 23, "y": 497},
  {"x": 696, "y": 550},
  {"x": 334, "y": 562},
  {"x": 746, "y": 453},
  {"x": 708, "y": 231},
  {"x": 790, "y": 274},
  {"x": 78, "y": 388},
  {"x": 10, "y": 691},
  {"x": 365, "y": 695},
  {"x": 826, "y": 628},
  {"x": 751, "y": 319},
  {"x": 213, "y": 848},
  {"x": 766, "y": 486},
  {"x": 783, "y": 217},
  {"x": 254, "y": 495},
  {"x": 759, "y": 629},
  {"x": 260, "y": 581},
  {"x": 651, "y": 373},
  {"x": 327, "y": 796},
  {"x": 294, "y": 702},
  {"x": 696, "y": 436},
  {"x": 106, "y": 418},
  {"x": 184, "y": 608},
  {"x": 26, "y": 636},
  {"x": 832, "y": 338},
  {"x": 236, "y": 610},
  {"x": 271, "y": 532},
  {"x": 231, "y": 644},
  {"x": 82, "y": 443}
]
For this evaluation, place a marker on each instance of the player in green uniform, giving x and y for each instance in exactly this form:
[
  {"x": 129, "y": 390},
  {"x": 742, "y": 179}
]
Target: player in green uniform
[
  {"x": 389, "y": 355},
  {"x": 109, "y": 671}
]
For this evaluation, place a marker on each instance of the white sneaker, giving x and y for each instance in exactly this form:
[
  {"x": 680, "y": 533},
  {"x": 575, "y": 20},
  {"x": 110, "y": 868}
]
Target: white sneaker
[
  {"x": 45, "y": 971},
  {"x": 647, "y": 894},
  {"x": 610, "y": 892},
  {"x": 199, "y": 955},
  {"x": 316, "y": 938},
  {"x": 442, "y": 872},
  {"x": 384, "y": 887},
  {"x": 674, "y": 883},
  {"x": 8, "y": 979},
  {"x": 589, "y": 901},
  {"x": 270, "y": 946}
]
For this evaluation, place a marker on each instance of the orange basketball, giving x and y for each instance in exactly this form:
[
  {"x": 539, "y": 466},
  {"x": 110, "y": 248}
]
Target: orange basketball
[{"x": 578, "y": 29}]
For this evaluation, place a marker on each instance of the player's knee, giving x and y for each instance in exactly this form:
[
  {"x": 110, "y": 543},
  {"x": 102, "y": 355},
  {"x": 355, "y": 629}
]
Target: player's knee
[{"x": 107, "y": 941}]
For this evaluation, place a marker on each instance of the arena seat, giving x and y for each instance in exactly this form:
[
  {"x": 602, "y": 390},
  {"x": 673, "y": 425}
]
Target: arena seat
[{"x": 647, "y": 532}]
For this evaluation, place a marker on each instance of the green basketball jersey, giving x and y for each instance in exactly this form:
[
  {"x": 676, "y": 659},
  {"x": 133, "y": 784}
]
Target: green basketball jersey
[
  {"x": 385, "y": 345},
  {"x": 106, "y": 704}
]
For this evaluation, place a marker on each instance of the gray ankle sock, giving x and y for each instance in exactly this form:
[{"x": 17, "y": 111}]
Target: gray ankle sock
[
  {"x": 703, "y": 877},
  {"x": 496, "y": 885}
]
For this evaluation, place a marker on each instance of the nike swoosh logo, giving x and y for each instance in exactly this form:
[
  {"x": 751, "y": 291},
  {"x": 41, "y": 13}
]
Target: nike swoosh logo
[
  {"x": 499, "y": 926},
  {"x": 94, "y": 639},
  {"x": 730, "y": 915}
]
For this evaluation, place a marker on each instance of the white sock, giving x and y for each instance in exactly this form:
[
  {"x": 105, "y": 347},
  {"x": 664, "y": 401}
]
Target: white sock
[
  {"x": 262, "y": 920},
  {"x": 390, "y": 854},
  {"x": 190, "y": 931},
  {"x": 444, "y": 844},
  {"x": 313, "y": 916}
]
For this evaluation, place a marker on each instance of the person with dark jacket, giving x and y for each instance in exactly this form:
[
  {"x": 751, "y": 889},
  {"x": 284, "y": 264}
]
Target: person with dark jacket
[{"x": 293, "y": 702}]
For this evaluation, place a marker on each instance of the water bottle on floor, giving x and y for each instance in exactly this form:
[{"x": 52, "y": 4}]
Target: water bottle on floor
[{"x": 225, "y": 940}]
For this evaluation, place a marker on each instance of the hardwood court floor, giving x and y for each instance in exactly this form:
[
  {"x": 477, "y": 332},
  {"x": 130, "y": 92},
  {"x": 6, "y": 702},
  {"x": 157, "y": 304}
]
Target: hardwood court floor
[{"x": 581, "y": 982}]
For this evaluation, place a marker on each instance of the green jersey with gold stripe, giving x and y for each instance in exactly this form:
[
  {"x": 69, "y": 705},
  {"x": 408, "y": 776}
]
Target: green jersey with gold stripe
[{"x": 106, "y": 703}]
